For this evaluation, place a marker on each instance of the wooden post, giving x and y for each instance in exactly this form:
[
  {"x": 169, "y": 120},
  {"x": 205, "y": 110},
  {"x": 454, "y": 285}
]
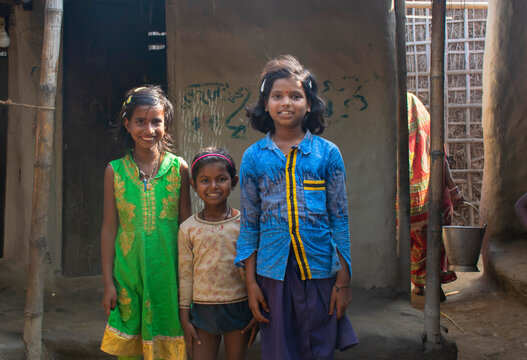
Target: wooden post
[
  {"x": 403, "y": 165},
  {"x": 437, "y": 72},
  {"x": 41, "y": 179}
]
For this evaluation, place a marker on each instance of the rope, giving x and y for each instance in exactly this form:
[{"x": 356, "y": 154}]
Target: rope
[{"x": 8, "y": 102}]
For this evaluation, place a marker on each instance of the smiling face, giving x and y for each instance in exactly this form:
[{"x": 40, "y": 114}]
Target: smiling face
[
  {"x": 287, "y": 104},
  {"x": 213, "y": 183},
  {"x": 146, "y": 126}
]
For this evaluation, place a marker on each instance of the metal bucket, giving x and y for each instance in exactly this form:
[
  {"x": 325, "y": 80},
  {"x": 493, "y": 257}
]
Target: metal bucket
[{"x": 462, "y": 245}]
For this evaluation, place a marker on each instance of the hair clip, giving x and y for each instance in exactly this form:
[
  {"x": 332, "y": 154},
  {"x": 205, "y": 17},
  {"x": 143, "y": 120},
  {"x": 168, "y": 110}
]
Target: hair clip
[
  {"x": 263, "y": 86},
  {"x": 310, "y": 85},
  {"x": 130, "y": 97}
]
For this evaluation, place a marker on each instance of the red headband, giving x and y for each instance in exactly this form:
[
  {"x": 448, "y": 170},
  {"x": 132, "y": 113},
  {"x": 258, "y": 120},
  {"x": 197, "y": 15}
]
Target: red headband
[{"x": 207, "y": 155}]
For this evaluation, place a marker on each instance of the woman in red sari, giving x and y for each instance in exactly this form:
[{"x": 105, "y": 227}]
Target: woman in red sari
[{"x": 419, "y": 153}]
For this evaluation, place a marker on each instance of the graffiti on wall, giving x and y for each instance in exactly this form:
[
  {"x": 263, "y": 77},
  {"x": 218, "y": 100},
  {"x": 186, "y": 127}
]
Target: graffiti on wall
[
  {"x": 215, "y": 105},
  {"x": 208, "y": 109},
  {"x": 343, "y": 96}
]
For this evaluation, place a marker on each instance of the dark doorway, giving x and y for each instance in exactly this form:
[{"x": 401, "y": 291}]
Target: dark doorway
[{"x": 106, "y": 52}]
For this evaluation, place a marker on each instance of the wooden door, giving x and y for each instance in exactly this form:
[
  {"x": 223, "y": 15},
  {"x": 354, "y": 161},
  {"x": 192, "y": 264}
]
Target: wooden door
[{"x": 105, "y": 54}]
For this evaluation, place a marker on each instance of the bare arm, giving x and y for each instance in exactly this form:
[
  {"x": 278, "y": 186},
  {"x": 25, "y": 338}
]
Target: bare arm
[
  {"x": 455, "y": 194},
  {"x": 341, "y": 292},
  {"x": 108, "y": 233},
  {"x": 190, "y": 332},
  {"x": 184, "y": 193},
  {"x": 521, "y": 209},
  {"x": 256, "y": 297},
  {"x": 448, "y": 176}
]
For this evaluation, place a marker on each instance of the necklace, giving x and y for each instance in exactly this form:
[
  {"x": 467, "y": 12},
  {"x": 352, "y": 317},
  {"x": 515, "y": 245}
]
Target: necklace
[
  {"x": 147, "y": 178},
  {"x": 226, "y": 216}
]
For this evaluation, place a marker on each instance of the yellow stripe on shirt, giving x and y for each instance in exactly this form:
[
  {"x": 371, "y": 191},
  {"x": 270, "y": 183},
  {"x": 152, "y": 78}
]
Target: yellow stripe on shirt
[
  {"x": 314, "y": 185},
  {"x": 314, "y": 182},
  {"x": 292, "y": 210}
]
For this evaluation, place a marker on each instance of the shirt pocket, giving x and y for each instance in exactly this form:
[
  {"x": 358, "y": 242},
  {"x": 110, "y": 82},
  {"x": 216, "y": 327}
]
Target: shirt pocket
[{"x": 315, "y": 195}]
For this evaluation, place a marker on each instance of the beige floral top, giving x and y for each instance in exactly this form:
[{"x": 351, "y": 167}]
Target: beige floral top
[{"x": 207, "y": 274}]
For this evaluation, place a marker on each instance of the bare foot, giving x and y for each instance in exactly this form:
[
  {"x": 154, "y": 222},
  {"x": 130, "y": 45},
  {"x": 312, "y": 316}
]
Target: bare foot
[{"x": 418, "y": 290}]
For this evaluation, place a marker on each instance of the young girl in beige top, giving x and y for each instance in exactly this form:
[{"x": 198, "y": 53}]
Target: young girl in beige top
[{"x": 212, "y": 297}]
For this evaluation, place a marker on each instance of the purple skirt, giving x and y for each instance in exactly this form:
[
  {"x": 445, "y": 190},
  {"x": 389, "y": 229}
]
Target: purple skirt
[{"x": 300, "y": 326}]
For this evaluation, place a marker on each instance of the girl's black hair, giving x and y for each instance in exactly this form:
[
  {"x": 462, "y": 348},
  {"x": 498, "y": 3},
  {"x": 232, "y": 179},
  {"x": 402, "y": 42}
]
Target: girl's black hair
[
  {"x": 287, "y": 66},
  {"x": 196, "y": 165},
  {"x": 150, "y": 95}
]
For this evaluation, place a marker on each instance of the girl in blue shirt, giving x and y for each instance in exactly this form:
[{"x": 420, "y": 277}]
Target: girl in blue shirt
[{"x": 294, "y": 237}]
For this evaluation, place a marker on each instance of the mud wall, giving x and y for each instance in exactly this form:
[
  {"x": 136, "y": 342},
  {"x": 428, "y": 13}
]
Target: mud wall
[
  {"x": 504, "y": 118},
  {"x": 24, "y": 53},
  {"x": 215, "y": 53}
]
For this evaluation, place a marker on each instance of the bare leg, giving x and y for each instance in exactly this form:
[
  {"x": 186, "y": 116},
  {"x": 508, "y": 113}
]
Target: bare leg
[
  {"x": 236, "y": 344},
  {"x": 208, "y": 350}
]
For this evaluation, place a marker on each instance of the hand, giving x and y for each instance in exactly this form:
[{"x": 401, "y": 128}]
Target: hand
[
  {"x": 254, "y": 326},
  {"x": 191, "y": 335},
  {"x": 340, "y": 299},
  {"x": 457, "y": 197},
  {"x": 256, "y": 299},
  {"x": 109, "y": 299}
]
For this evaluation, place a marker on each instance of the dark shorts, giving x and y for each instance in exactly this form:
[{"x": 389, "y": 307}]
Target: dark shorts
[
  {"x": 300, "y": 327},
  {"x": 219, "y": 319}
]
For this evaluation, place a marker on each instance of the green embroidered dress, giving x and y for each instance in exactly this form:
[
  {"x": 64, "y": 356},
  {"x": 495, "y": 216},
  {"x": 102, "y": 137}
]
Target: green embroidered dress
[{"x": 146, "y": 318}]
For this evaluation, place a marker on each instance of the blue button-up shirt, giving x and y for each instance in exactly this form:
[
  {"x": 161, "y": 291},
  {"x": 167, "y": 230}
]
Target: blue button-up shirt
[{"x": 297, "y": 201}]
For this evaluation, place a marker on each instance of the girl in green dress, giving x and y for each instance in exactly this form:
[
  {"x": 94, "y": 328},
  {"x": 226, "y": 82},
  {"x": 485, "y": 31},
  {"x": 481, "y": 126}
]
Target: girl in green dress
[{"x": 146, "y": 196}]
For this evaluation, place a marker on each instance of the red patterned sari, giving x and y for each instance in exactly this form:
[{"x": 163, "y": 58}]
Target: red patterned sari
[{"x": 419, "y": 153}]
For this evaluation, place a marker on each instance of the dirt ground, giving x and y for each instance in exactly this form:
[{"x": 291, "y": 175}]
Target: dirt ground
[{"x": 486, "y": 323}]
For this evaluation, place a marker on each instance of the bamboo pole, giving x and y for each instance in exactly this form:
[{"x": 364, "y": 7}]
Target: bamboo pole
[
  {"x": 468, "y": 92},
  {"x": 41, "y": 179},
  {"x": 437, "y": 82},
  {"x": 403, "y": 167}
]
